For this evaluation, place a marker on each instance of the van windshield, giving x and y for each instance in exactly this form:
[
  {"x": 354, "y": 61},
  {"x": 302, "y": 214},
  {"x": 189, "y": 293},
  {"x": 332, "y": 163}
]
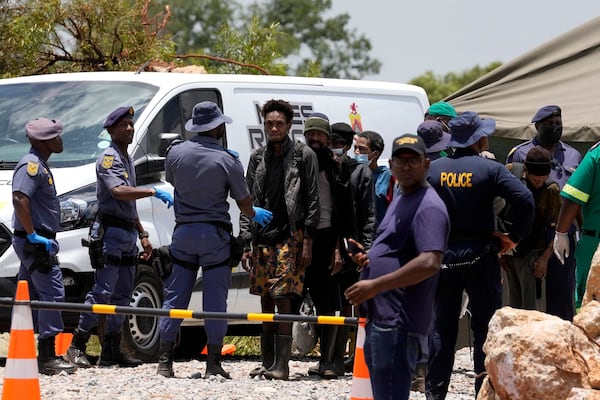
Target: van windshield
[{"x": 82, "y": 107}]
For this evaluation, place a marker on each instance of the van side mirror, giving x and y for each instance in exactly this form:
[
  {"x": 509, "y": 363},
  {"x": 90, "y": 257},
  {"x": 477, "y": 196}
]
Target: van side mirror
[{"x": 165, "y": 140}]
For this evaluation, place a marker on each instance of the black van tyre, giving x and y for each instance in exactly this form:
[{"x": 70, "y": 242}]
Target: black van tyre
[{"x": 140, "y": 336}]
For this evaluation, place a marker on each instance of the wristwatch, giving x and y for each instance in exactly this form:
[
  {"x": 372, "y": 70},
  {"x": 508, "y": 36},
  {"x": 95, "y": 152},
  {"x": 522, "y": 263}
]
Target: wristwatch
[{"x": 143, "y": 234}]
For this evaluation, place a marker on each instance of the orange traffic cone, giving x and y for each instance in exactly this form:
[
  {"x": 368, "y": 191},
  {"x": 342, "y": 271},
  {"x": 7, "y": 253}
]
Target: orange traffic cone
[
  {"x": 62, "y": 343},
  {"x": 361, "y": 382},
  {"x": 227, "y": 349},
  {"x": 21, "y": 379}
]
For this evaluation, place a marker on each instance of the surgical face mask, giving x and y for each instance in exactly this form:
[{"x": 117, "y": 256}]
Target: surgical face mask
[
  {"x": 362, "y": 158},
  {"x": 338, "y": 152},
  {"x": 550, "y": 134}
]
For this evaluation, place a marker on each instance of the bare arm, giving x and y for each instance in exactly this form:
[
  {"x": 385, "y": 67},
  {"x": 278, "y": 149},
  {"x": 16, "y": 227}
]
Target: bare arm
[
  {"x": 245, "y": 206},
  {"x": 23, "y": 211},
  {"x": 127, "y": 193},
  {"x": 569, "y": 211},
  {"x": 415, "y": 271}
]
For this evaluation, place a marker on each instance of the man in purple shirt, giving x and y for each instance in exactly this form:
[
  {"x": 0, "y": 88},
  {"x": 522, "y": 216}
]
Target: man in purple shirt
[{"x": 400, "y": 273}]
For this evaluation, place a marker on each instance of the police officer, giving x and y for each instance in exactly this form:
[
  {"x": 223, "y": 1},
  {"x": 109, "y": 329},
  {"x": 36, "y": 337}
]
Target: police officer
[
  {"x": 468, "y": 183},
  {"x": 203, "y": 174},
  {"x": 560, "y": 280},
  {"x": 118, "y": 226},
  {"x": 36, "y": 219}
]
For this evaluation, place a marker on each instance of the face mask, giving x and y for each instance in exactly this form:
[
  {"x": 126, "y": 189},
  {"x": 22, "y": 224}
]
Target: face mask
[
  {"x": 362, "y": 158},
  {"x": 338, "y": 152},
  {"x": 550, "y": 135}
]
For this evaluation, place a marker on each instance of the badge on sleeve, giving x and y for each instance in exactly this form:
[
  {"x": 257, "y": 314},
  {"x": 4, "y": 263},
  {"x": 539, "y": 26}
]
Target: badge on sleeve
[
  {"x": 107, "y": 162},
  {"x": 32, "y": 168}
]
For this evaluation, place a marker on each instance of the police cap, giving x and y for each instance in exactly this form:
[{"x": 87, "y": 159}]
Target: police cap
[
  {"x": 43, "y": 128},
  {"x": 546, "y": 112},
  {"x": 117, "y": 114}
]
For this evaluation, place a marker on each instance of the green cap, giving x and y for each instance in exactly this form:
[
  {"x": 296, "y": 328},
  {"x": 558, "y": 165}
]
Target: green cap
[
  {"x": 317, "y": 122},
  {"x": 441, "y": 108}
]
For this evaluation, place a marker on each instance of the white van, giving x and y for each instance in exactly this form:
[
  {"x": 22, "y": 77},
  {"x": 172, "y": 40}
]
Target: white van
[{"x": 162, "y": 103}]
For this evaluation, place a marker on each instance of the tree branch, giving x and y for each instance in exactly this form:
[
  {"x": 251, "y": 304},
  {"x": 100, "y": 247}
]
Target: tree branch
[{"x": 225, "y": 60}]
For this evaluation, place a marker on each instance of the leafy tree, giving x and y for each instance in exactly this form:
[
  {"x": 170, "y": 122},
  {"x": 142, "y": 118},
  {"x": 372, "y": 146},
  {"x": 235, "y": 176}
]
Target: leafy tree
[
  {"x": 312, "y": 44},
  {"x": 195, "y": 25},
  {"x": 253, "y": 50},
  {"x": 438, "y": 87},
  {"x": 44, "y": 36}
]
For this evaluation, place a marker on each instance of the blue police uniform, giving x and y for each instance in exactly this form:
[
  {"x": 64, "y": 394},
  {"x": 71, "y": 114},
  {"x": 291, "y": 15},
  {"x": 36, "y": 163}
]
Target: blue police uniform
[
  {"x": 468, "y": 183},
  {"x": 114, "y": 282},
  {"x": 203, "y": 174},
  {"x": 560, "y": 279},
  {"x": 564, "y": 160},
  {"x": 33, "y": 178}
]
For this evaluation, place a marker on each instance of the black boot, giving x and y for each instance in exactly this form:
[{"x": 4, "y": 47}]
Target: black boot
[
  {"x": 327, "y": 338},
  {"x": 267, "y": 348},
  {"x": 112, "y": 354},
  {"x": 165, "y": 360},
  {"x": 280, "y": 368},
  {"x": 324, "y": 368},
  {"x": 213, "y": 362},
  {"x": 48, "y": 362},
  {"x": 76, "y": 351},
  {"x": 339, "y": 350}
]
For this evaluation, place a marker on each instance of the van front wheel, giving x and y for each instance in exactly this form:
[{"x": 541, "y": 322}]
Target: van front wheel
[{"x": 140, "y": 334}]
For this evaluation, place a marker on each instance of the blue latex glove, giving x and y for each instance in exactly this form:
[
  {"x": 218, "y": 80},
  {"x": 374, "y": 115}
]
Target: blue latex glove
[
  {"x": 163, "y": 196},
  {"x": 262, "y": 216},
  {"x": 35, "y": 238}
]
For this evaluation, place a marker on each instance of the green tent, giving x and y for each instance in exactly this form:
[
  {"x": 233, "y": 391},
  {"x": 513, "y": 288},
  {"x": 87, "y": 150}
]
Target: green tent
[{"x": 564, "y": 71}]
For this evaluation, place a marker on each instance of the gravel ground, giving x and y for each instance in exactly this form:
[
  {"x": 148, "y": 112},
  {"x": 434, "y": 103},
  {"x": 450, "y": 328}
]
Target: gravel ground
[{"x": 143, "y": 383}]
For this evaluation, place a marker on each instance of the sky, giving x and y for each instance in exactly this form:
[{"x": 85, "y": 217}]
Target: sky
[{"x": 411, "y": 37}]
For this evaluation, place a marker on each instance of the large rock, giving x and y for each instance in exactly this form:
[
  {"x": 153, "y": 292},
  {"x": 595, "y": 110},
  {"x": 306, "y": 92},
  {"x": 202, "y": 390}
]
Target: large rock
[
  {"x": 584, "y": 394},
  {"x": 592, "y": 289},
  {"x": 487, "y": 392},
  {"x": 588, "y": 319},
  {"x": 531, "y": 355}
]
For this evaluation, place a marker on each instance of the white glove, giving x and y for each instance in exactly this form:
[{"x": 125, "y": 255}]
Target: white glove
[{"x": 561, "y": 246}]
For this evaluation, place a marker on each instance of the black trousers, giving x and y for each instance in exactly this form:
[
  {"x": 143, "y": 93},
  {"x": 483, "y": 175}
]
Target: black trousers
[{"x": 323, "y": 288}]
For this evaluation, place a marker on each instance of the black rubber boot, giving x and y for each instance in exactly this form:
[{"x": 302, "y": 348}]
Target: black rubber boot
[
  {"x": 76, "y": 351},
  {"x": 112, "y": 354},
  {"x": 165, "y": 360},
  {"x": 48, "y": 362},
  {"x": 280, "y": 369},
  {"x": 213, "y": 362},
  {"x": 267, "y": 348}
]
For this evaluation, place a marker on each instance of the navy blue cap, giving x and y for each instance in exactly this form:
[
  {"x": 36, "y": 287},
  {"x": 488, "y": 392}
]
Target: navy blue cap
[
  {"x": 117, "y": 114},
  {"x": 545, "y": 112},
  {"x": 432, "y": 133},
  {"x": 411, "y": 142}
]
